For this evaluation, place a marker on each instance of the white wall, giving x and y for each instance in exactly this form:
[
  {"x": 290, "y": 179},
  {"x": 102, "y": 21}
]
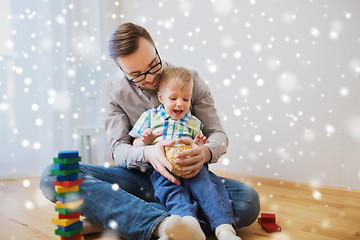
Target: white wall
[
  {"x": 50, "y": 68},
  {"x": 284, "y": 74}
]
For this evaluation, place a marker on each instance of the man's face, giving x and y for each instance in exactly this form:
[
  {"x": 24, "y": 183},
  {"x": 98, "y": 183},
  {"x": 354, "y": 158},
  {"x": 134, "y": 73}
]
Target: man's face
[{"x": 139, "y": 62}]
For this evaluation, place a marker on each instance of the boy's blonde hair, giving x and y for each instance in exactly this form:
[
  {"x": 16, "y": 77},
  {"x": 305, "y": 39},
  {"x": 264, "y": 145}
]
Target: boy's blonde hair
[{"x": 177, "y": 76}]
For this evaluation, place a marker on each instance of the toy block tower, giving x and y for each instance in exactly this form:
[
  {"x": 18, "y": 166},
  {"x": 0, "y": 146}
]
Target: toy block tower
[{"x": 68, "y": 199}]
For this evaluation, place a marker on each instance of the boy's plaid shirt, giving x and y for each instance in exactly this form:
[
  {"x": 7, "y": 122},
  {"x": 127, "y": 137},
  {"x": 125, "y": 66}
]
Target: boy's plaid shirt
[{"x": 159, "y": 121}]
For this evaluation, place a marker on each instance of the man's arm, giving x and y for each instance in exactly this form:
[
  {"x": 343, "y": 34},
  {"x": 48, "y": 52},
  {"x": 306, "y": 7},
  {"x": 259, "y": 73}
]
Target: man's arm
[
  {"x": 203, "y": 107},
  {"x": 117, "y": 127}
]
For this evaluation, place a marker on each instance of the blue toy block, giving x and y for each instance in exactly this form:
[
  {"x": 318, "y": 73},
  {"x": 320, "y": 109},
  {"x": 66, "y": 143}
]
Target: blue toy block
[
  {"x": 68, "y": 154},
  {"x": 71, "y": 177},
  {"x": 60, "y": 166},
  {"x": 73, "y": 226}
]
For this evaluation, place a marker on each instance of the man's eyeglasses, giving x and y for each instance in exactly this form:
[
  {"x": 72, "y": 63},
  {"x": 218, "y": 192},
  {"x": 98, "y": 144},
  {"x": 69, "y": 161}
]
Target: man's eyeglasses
[{"x": 142, "y": 76}]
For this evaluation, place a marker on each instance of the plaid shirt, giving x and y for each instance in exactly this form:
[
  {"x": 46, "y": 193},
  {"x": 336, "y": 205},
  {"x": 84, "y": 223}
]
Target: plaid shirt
[{"x": 160, "y": 121}]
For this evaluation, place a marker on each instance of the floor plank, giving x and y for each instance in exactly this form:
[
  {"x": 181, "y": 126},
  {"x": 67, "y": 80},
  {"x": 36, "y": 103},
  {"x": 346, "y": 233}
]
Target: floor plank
[{"x": 304, "y": 211}]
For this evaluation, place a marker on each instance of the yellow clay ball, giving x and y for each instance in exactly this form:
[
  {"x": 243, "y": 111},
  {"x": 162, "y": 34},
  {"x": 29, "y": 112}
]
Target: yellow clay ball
[{"x": 171, "y": 152}]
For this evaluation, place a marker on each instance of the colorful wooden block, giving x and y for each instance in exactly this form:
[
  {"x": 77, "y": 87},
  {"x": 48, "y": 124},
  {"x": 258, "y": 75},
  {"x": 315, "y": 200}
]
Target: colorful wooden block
[
  {"x": 71, "y": 205},
  {"x": 271, "y": 227},
  {"x": 73, "y": 226},
  {"x": 268, "y": 218},
  {"x": 60, "y": 166},
  {"x": 61, "y": 189},
  {"x": 68, "y": 154},
  {"x": 64, "y": 222},
  {"x": 67, "y": 160},
  {"x": 68, "y": 183},
  {"x": 69, "y": 216},
  {"x": 75, "y": 237},
  {"x": 71, "y": 177},
  {"x": 66, "y": 211},
  {"x": 68, "y": 194},
  {"x": 67, "y": 172},
  {"x": 72, "y": 198},
  {"x": 68, "y": 233},
  {"x": 72, "y": 238},
  {"x": 267, "y": 222}
]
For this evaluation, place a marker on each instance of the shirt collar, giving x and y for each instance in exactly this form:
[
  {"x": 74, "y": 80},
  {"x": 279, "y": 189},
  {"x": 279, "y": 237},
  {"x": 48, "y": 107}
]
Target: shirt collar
[{"x": 161, "y": 110}]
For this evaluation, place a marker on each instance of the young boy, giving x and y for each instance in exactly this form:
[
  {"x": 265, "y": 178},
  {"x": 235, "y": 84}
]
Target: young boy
[{"x": 173, "y": 120}]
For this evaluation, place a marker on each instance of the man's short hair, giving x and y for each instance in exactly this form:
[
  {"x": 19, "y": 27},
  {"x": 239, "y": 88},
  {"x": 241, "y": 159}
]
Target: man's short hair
[{"x": 125, "y": 39}]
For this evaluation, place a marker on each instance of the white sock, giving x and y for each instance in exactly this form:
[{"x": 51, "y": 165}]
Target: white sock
[
  {"x": 179, "y": 228},
  {"x": 160, "y": 230},
  {"x": 226, "y": 232}
]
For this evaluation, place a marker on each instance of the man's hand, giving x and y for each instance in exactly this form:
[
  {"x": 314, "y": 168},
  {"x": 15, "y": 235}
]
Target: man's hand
[
  {"x": 155, "y": 155},
  {"x": 194, "y": 157}
]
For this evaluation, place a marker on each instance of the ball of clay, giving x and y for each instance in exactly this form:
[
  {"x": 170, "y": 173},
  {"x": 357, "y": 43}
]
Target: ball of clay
[{"x": 171, "y": 153}]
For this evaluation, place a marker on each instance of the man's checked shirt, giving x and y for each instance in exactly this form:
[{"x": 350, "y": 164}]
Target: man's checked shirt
[{"x": 159, "y": 121}]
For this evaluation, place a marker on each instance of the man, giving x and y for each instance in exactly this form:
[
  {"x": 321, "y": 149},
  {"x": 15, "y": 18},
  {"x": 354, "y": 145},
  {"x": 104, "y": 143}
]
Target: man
[{"x": 132, "y": 209}]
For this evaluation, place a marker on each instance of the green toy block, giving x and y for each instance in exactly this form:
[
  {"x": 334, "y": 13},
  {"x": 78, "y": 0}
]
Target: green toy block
[
  {"x": 66, "y": 211},
  {"x": 64, "y": 172},
  {"x": 67, "y": 160},
  {"x": 71, "y": 233}
]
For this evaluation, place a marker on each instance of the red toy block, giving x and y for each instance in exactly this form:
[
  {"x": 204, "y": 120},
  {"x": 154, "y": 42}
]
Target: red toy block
[
  {"x": 69, "y": 216},
  {"x": 267, "y": 218},
  {"x": 267, "y": 222},
  {"x": 271, "y": 227},
  {"x": 68, "y": 183}
]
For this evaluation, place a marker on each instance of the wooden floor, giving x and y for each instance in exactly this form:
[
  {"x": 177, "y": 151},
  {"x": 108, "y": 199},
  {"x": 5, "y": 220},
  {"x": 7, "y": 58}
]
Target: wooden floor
[{"x": 303, "y": 211}]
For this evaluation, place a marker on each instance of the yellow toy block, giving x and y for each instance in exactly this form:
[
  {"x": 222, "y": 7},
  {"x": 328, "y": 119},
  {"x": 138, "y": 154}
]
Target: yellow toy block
[
  {"x": 64, "y": 222},
  {"x": 70, "y": 205},
  {"x": 61, "y": 189}
]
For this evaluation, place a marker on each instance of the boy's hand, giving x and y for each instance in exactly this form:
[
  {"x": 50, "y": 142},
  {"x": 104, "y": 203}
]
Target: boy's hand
[
  {"x": 147, "y": 137},
  {"x": 194, "y": 158},
  {"x": 155, "y": 155},
  {"x": 200, "y": 139}
]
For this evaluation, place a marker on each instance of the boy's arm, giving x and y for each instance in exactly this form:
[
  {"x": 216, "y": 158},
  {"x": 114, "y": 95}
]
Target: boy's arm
[
  {"x": 138, "y": 143},
  {"x": 147, "y": 138}
]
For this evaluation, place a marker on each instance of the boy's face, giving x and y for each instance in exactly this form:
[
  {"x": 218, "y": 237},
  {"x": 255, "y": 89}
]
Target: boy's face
[{"x": 176, "y": 101}]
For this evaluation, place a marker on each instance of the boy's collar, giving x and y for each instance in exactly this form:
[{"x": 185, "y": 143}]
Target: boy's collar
[{"x": 166, "y": 116}]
